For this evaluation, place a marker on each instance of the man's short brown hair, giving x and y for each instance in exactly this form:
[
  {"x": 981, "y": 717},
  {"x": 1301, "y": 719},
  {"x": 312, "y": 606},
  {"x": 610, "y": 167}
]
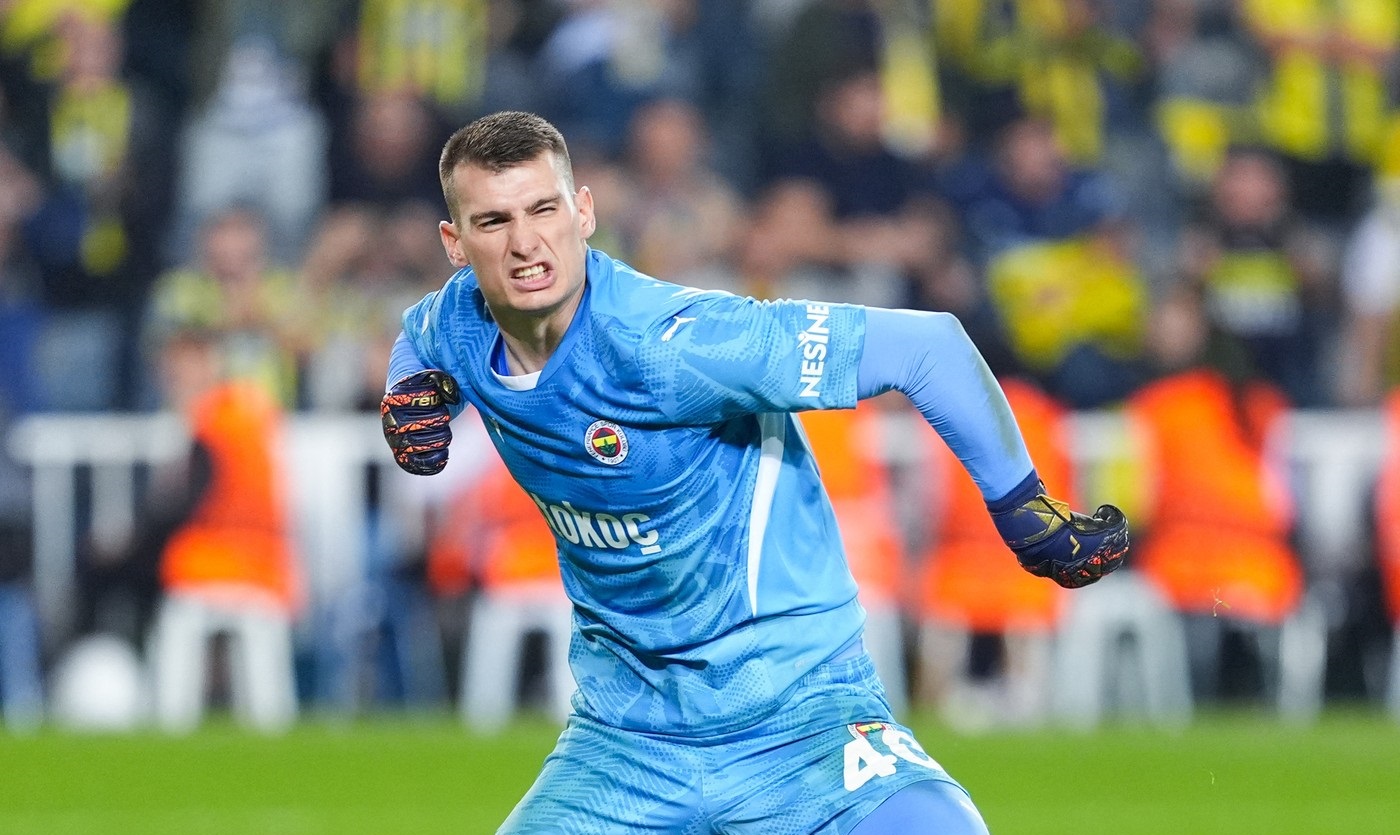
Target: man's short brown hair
[{"x": 500, "y": 141}]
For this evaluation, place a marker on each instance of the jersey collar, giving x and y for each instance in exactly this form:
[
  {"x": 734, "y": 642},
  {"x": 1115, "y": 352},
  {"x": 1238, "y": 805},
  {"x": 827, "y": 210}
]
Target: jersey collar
[{"x": 597, "y": 267}]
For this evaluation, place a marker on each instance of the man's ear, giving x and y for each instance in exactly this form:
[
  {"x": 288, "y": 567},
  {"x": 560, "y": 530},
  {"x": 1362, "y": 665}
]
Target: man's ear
[
  {"x": 587, "y": 220},
  {"x": 452, "y": 243}
]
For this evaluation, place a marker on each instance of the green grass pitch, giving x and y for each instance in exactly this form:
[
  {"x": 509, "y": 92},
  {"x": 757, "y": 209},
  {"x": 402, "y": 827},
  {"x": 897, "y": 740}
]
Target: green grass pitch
[{"x": 1228, "y": 773}]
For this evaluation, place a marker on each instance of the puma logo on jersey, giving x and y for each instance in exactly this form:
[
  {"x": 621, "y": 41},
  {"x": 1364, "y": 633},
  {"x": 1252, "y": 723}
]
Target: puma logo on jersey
[
  {"x": 813, "y": 341},
  {"x": 671, "y": 331},
  {"x": 599, "y": 530}
]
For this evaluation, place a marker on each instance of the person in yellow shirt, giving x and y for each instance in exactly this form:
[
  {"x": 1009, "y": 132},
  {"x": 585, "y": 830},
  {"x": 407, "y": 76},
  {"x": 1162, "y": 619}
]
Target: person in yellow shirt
[{"x": 1327, "y": 96}]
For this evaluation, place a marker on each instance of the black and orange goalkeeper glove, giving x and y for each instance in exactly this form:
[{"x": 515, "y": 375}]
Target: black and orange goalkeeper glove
[
  {"x": 1050, "y": 540},
  {"x": 416, "y": 420}
]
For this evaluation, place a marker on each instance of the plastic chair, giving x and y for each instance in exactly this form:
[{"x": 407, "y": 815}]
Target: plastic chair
[
  {"x": 260, "y": 659},
  {"x": 1123, "y": 609}
]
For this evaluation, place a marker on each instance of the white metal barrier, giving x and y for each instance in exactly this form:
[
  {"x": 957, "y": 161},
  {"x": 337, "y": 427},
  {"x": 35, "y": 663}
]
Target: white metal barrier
[
  {"x": 332, "y": 459},
  {"x": 330, "y": 463}
]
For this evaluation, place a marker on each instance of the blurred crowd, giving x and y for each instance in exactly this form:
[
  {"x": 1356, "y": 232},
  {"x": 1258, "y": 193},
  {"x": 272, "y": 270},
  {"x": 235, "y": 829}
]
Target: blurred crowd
[{"x": 1110, "y": 195}]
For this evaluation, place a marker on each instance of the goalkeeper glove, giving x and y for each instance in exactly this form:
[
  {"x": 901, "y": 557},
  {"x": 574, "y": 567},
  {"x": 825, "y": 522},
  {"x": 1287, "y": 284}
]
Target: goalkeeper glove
[
  {"x": 415, "y": 417},
  {"x": 1050, "y": 540}
]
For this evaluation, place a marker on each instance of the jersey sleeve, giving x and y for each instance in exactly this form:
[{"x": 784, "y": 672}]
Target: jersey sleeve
[
  {"x": 929, "y": 357},
  {"x": 424, "y": 333},
  {"x": 420, "y": 326},
  {"x": 723, "y": 356}
]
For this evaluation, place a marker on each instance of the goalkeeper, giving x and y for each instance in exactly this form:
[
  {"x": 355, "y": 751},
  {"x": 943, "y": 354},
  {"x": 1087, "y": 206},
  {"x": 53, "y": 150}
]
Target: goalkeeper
[{"x": 722, "y": 681}]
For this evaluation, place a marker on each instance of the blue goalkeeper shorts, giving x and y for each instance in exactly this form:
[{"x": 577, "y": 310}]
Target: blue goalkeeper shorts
[{"x": 819, "y": 765}]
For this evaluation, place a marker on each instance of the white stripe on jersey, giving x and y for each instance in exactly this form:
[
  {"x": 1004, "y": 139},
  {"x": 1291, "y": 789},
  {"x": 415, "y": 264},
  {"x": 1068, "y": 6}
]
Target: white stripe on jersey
[{"x": 772, "y": 427}]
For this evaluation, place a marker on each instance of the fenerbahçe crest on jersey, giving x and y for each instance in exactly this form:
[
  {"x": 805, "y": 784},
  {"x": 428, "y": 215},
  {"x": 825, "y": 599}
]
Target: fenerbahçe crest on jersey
[{"x": 695, "y": 539}]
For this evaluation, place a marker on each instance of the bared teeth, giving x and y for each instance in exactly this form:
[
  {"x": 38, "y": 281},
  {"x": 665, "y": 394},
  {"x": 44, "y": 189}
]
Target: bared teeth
[{"x": 530, "y": 272}]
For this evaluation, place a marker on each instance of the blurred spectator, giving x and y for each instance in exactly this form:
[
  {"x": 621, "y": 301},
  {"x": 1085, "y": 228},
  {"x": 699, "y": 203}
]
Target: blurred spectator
[
  {"x": 363, "y": 269},
  {"x": 948, "y": 281},
  {"x": 29, "y": 60},
  {"x": 601, "y": 61},
  {"x": 437, "y": 49},
  {"x": 1327, "y": 92},
  {"x": 717, "y": 63},
  {"x": 824, "y": 40},
  {"x": 403, "y": 73},
  {"x": 226, "y": 559},
  {"x": 1204, "y": 79},
  {"x": 461, "y": 57},
  {"x": 1029, "y": 193},
  {"x": 830, "y": 40},
  {"x": 160, "y": 45},
  {"x": 1369, "y": 364},
  {"x": 1058, "y": 263},
  {"x": 1057, "y": 60},
  {"x": 680, "y": 219},
  {"x": 1234, "y": 515},
  {"x": 94, "y": 233},
  {"x": 382, "y": 641},
  {"x": 234, "y": 291},
  {"x": 300, "y": 34},
  {"x": 389, "y": 152},
  {"x": 1202, "y": 101},
  {"x": 846, "y": 219},
  {"x": 605, "y": 58},
  {"x": 255, "y": 141},
  {"x": 1265, "y": 278}
]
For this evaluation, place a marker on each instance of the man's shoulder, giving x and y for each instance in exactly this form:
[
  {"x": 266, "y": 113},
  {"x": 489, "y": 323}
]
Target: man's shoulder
[
  {"x": 628, "y": 300},
  {"x": 458, "y": 291},
  {"x": 456, "y": 306}
]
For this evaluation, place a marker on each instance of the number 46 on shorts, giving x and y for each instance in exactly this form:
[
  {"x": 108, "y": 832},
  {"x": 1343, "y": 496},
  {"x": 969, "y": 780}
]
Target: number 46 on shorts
[{"x": 865, "y": 759}]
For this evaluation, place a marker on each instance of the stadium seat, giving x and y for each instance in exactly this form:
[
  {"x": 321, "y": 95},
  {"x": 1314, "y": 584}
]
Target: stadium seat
[
  {"x": 1015, "y": 696},
  {"x": 1120, "y": 617},
  {"x": 500, "y": 620},
  {"x": 1303, "y": 662},
  {"x": 260, "y": 659}
]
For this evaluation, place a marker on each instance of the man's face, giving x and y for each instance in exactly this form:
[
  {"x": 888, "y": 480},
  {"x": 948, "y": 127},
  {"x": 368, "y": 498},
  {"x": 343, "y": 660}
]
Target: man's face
[{"x": 524, "y": 233}]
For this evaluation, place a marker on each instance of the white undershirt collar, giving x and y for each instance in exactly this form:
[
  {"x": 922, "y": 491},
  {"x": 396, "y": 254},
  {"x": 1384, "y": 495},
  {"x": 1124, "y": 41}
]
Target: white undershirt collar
[{"x": 517, "y": 382}]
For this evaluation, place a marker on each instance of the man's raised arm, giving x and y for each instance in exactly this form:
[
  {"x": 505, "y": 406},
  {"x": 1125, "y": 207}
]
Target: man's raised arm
[{"x": 930, "y": 359}]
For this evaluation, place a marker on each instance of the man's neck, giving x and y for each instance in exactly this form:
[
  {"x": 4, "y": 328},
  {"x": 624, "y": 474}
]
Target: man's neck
[
  {"x": 526, "y": 358},
  {"x": 530, "y": 341}
]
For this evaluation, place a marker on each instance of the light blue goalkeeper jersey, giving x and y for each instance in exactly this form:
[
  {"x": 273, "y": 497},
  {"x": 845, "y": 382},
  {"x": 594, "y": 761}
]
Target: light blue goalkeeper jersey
[{"x": 695, "y": 538}]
